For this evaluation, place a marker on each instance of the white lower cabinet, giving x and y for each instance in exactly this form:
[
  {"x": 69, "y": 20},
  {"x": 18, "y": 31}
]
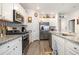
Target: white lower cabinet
[
  {"x": 62, "y": 46},
  {"x": 54, "y": 47},
  {"x": 13, "y": 47},
  {"x": 71, "y": 48},
  {"x": 57, "y": 45}
]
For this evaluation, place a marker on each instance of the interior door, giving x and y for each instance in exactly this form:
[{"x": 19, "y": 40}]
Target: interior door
[{"x": 72, "y": 25}]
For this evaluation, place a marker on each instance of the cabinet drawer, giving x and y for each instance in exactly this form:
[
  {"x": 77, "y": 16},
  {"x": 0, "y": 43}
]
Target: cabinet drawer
[
  {"x": 76, "y": 48},
  {"x": 72, "y": 46},
  {"x": 15, "y": 50},
  {"x": 5, "y": 47},
  {"x": 70, "y": 52},
  {"x": 9, "y": 52},
  {"x": 69, "y": 44},
  {"x": 9, "y": 45}
]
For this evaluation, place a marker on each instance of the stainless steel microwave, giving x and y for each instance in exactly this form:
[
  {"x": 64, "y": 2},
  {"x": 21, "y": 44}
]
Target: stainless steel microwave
[{"x": 17, "y": 17}]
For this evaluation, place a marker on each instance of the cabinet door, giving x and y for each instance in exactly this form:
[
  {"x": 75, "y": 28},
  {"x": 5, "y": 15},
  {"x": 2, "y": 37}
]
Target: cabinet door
[
  {"x": 19, "y": 46},
  {"x": 67, "y": 46},
  {"x": 54, "y": 44},
  {"x": 0, "y": 9},
  {"x": 71, "y": 48},
  {"x": 7, "y": 11},
  {"x": 13, "y": 47},
  {"x": 5, "y": 47},
  {"x": 17, "y": 50},
  {"x": 60, "y": 45},
  {"x": 14, "y": 51},
  {"x": 76, "y": 48},
  {"x": 11, "y": 51}
]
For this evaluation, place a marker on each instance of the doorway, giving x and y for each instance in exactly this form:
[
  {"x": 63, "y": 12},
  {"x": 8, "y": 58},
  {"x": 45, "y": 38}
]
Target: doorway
[{"x": 72, "y": 25}]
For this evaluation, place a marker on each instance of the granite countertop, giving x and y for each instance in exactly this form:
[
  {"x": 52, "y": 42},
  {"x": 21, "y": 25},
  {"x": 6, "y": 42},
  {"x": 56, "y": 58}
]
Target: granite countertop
[
  {"x": 73, "y": 38},
  {"x": 11, "y": 37},
  {"x": 8, "y": 38}
]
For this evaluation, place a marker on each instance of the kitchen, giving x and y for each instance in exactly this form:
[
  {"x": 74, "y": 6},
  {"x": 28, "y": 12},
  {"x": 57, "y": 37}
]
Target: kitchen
[{"x": 39, "y": 29}]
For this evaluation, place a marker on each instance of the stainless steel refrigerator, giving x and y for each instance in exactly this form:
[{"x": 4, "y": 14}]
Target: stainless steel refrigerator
[{"x": 44, "y": 30}]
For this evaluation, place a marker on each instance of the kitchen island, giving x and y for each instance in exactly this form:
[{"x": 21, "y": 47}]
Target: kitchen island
[{"x": 65, "y": 44}]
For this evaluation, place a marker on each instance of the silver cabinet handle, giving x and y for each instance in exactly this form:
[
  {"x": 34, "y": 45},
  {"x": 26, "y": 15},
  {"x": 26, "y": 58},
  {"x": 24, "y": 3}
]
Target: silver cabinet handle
[
  {"x": 16, "y": 46},
  {"x": 13, "y": 48},
  {"x": 8, "y": 46},
  {"x": 75, "y": 48}
]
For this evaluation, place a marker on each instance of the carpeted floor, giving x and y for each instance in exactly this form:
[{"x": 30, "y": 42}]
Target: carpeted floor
[{"x": 39, "y": 48}]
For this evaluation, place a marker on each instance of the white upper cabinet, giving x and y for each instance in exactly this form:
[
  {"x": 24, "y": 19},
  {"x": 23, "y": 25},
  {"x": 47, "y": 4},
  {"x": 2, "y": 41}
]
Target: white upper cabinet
[
  {"x": 0, "y": 9},
  {"x": 18, "y": 8},
  {"x": 7, "y": 11}
]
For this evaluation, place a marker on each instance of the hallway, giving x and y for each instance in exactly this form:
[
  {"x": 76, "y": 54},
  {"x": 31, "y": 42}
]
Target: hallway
[{"x": 39, "y": 48}]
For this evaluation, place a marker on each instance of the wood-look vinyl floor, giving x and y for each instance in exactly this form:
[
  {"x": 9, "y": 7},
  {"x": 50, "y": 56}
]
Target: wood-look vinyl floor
[{"x": 39, "y": 48}]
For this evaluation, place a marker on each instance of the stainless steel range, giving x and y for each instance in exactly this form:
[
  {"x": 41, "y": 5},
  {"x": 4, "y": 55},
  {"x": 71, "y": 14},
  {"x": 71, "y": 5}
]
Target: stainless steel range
[
  {"x": 25, "y": 41},
  {"x": 25, "y": 37}
]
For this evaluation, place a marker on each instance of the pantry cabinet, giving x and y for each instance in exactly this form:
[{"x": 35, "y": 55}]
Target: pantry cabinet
[{"x": 13, "y": 47}]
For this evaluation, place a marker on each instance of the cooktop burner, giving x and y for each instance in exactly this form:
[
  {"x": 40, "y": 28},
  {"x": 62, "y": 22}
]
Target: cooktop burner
[{"x": 15, "y": 32}]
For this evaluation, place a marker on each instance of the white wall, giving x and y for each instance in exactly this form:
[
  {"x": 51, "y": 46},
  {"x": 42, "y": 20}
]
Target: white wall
[
  {"x": 63, "y": 25},
  {"x": 34, "y": 26},
  {"x": 75, "y": 15}
]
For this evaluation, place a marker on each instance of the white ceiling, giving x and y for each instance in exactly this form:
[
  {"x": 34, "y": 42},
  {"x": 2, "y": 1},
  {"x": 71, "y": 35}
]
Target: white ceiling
[{"x": 52, "y": 7}]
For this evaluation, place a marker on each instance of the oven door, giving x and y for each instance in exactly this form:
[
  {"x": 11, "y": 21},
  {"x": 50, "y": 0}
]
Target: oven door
[{"x": 25, "y": 41}]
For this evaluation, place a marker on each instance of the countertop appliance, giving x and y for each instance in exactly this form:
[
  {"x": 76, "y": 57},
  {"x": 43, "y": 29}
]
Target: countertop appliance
[{"x": 44, "y": 30}]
